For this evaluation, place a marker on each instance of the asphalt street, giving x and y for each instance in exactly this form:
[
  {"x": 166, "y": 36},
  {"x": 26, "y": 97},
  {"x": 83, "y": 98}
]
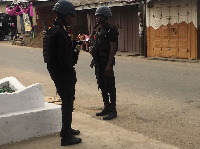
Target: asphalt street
[
  {"x": 174, "y": 80},
  {"x": 159, "y": 99}
]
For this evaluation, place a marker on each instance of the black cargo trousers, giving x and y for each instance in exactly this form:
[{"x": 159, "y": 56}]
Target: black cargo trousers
[
  {"x": 106, "y": 83},
  {"x": 65, "y": 81}
]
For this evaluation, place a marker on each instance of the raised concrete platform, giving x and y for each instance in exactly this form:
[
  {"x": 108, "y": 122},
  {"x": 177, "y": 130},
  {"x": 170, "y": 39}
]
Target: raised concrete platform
[
  {"x": 24, "y": 113},
  {"x": 22, "y": 125}
]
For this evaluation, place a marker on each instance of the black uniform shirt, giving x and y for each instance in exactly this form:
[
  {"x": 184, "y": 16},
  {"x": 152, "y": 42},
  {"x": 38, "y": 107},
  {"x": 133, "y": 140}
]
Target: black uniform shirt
[
  {"x": 105, "y": 36},
  {"x": 61, "y": 47}
]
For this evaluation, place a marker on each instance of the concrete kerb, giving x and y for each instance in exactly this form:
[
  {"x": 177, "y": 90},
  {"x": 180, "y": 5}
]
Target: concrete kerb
[
  {"x": 174, "y": 59},
  {"x": 136, "y": 55}
]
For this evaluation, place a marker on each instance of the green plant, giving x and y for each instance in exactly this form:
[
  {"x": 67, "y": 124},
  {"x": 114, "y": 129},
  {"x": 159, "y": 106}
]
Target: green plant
[{"x": 6, "y": 89}]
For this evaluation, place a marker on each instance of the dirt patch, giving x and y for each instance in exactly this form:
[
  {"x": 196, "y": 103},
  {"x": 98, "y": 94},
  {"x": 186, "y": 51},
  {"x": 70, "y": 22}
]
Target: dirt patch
[{"x": 37, "y": 42}]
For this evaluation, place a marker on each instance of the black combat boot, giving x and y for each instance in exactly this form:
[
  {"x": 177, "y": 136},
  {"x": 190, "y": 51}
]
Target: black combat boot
[
  {"x": 111, "y": 115},
  {"x": 105, "y": 110},
  {"x": 73, "y": 132},
  {"x": 70, "y": 141},
  {"x": 106, "y": 102}
]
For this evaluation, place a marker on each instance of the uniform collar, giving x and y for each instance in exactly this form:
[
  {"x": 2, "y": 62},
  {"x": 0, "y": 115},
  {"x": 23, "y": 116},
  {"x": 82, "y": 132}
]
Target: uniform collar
[
  {"x": 58, "y": 24},
  {"x": 106, "y": 25}
]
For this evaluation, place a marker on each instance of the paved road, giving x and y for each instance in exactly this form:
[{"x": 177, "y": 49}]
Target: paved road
[
  {"x": 159, "y": 99},
  {"x": 177, "y": 81}
]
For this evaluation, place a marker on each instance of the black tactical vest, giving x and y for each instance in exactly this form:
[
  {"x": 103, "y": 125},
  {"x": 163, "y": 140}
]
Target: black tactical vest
[
  {"x": 102, "y": 43},
  {"x": 50, "y": 44},
  {"x": 47, "y": 47}
]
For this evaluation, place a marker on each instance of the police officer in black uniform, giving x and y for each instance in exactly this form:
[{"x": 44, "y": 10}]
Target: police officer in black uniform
[
  {"x": 59, "y": 56},
  {"x": 103, "y": 54}
]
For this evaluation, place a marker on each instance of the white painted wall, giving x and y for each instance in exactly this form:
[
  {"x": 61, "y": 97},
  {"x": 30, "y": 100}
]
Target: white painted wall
[{"x": 24, "y": 98}]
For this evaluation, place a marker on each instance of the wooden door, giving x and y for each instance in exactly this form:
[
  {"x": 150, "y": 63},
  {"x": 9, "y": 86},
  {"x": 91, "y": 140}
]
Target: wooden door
[
  {"x": 165, "y": 31},
  {"x": 171, "y": 36},
  {"x": 184, "y": 33},
  {"x": 173, "y": 32},
  {"x": 156, "y": 36}
]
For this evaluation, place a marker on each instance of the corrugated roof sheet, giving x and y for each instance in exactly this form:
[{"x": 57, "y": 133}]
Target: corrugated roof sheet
[{"x": 84, "y": 2}]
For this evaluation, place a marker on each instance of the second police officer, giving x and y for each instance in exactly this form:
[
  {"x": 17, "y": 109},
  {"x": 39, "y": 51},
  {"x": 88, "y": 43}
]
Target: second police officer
[{"x": 104, "y": 50}]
